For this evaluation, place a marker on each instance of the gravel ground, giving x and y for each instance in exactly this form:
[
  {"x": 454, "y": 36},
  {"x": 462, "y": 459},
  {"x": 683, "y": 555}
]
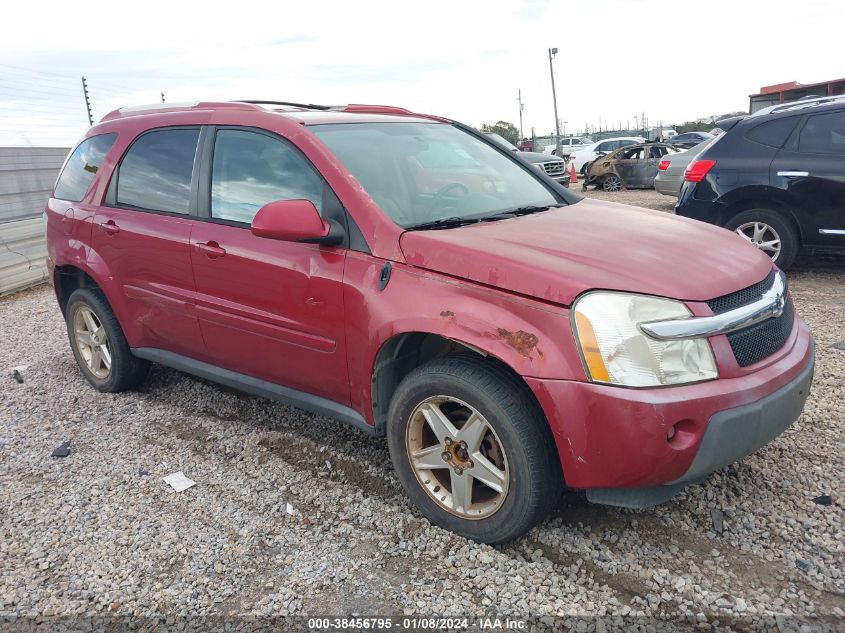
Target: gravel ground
[{"x": 296, "y": 514}]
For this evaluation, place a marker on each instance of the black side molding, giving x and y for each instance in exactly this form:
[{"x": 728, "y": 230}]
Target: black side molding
[
  {"x": 258, "y": 387},
  {"x": 384, "y": 275}
]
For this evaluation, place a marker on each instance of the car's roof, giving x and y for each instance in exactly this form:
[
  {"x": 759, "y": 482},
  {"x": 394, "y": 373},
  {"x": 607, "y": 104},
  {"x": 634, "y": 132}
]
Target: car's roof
[{"x": 306, "y": 114}]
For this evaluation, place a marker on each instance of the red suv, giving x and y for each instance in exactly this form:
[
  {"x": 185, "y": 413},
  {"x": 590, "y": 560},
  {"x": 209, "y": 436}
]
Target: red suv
[{"x": 404, "y": 274}]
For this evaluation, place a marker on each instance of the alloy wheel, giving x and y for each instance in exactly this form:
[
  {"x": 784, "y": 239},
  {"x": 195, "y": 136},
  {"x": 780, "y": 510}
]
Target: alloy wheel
[
  {"x": 92, "y": 342},
  {"x": 763, "y": 236},
  {"x": 457, "y": 457},
  {"x": 611, "y": 183}
]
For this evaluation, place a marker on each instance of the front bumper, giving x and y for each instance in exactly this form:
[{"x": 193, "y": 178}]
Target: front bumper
[{"x": 616, "y": 442}]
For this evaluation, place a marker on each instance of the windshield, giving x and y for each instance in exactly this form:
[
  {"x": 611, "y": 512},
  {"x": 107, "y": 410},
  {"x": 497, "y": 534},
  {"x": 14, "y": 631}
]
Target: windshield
[{"x": 419, "y": 173}]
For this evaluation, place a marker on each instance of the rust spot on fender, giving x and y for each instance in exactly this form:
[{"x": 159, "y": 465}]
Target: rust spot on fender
[
  {"x": 523, "y": 342},
  {"x": 447, "y": 314}
]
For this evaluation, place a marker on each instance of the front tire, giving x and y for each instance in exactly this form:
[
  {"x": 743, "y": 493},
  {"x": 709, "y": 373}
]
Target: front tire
[
  {"x": 770, "y": 232},
  {"x": 98, "y": 343},
  {"x": 472, "y": 448}
]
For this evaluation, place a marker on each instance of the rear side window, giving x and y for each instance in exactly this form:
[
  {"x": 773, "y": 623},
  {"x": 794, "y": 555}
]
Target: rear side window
[
  {"x": 252, "y": 169},
  {"x": 82, "y": 166},
  {"x": 773, "y": 133},
  {"x": 155, "y": 174},
  {"x": 824, "y": 134}
]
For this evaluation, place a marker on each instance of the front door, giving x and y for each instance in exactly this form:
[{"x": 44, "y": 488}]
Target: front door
[
  {"x": 812, "y": 171},
  {"x": 267, "y": 308},
  {"x": 142, "y": 233}
]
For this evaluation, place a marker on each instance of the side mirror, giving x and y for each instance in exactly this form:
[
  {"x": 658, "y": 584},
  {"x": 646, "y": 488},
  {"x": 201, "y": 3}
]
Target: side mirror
[
  {"x": 601, "y": 154},
  {"x": 295, "y": 221}
]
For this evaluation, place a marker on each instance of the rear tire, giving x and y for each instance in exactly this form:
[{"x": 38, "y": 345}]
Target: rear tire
[
  {"x": 470, "y": 390},
  {"x": 768, "y": 226},
  {"x": 98, "y": 343}
]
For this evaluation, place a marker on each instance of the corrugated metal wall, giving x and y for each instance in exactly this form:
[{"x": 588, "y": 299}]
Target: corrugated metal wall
[{"x": 27, "y": 175}]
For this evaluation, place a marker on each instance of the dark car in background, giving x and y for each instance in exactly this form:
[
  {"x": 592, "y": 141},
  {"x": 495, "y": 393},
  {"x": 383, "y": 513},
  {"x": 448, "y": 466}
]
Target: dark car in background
[
  {"x": 690, "y": 139},
  {"x": 776, "y": 177},
  {"x": 555, "y": 167}
]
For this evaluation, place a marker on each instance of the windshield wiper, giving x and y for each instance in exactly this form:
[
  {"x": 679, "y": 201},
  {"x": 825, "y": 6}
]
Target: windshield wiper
[
  {"x": 443, "y": 223},
  {"x": 448, "y": 223},
  {"x": 526, "y": 210}
]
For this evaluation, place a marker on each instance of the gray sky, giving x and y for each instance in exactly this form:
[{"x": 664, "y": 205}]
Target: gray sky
[{"x": 464, "y": 60}]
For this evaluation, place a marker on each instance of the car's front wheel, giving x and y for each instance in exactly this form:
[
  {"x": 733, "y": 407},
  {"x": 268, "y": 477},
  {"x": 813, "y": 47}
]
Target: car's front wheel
[
  {"x": 770, "y": 232},
  {"x": 611, "y": 183},
  {"x": 472, "y": 448}
]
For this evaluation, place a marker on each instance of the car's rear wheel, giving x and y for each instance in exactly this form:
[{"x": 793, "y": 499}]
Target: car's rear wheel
[
  {"x": 611, "y": 183},
  {"x": 770, "y": 232},
  {"x": 585, "y": 168},
  {"x": 98, "y": 343},
  {"x": 472, "y": 448}
]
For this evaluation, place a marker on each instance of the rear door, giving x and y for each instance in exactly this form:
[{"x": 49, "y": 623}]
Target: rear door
[
  {"x": 811, "y": 168},
  {"x": 142, "y": 232},
  {"x": 267, "y": 308}
]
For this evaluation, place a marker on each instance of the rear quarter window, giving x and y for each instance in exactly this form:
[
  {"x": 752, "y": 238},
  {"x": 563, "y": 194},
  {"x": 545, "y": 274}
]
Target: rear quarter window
[
  {"x": 772, "y": 133},
  {"x": 82, "y": 166}
]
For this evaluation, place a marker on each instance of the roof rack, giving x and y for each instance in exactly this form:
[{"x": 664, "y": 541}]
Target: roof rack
[
  {"x": 307, "y": 106},
  {"x": 173, "y": 107},
  {"x": 798, "y": 104}
]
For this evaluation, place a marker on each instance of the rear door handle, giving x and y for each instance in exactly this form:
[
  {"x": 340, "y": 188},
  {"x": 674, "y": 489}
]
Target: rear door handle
[
  {"x": 797, "y": 174},
  {"x": 109, "y": 227},
  {"x": 212, "y": 249}
]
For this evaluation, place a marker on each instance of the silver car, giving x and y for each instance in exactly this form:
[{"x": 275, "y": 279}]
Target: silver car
[{"x": 670, "y": 172}]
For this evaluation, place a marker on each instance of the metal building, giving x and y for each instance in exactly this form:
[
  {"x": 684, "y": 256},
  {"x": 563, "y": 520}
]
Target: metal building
[
  {"x": 792, "y": 91},
  {"x": 27, "y": 175}
]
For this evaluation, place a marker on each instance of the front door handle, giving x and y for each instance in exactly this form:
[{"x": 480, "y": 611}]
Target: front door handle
[
  {"x": 796, "y": 174},
  {"x": 109, "y": 227},
  {"x": 212, "y": 249}
]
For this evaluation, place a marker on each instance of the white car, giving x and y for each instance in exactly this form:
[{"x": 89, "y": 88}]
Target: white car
[
  {"x": 568, "y": 144},
  {"x": 588, "y": 153}
]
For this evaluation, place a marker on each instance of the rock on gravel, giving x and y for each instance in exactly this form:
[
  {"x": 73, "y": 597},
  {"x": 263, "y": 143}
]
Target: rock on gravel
[{"x": 99, "y": 532}]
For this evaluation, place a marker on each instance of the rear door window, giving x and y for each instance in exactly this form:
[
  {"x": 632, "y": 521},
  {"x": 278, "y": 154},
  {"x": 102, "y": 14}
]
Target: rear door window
[
  {"x": 823, "y": 134},
  {"x": 773, "y": 133},
  {"x": 82, "y": 166},
  {"x": 156, "y": 172}
]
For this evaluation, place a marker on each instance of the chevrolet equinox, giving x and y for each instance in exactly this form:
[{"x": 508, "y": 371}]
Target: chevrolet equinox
[{"x": 406, "y": 275}]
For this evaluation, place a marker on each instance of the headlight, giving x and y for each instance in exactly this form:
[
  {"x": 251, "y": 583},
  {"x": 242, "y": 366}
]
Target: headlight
[{"x": 617, "y": 352}]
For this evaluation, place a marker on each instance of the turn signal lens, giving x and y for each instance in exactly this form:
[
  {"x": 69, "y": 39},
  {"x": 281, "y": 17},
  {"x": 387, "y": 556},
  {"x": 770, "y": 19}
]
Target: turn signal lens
[
  {"x": 698, "y": 169},
  {"x": 590, "y": 349}
]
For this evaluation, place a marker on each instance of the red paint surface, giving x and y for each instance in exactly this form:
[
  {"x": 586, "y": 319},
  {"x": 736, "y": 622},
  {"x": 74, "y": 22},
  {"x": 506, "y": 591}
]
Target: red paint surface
[{"x": 313, "y": 317}]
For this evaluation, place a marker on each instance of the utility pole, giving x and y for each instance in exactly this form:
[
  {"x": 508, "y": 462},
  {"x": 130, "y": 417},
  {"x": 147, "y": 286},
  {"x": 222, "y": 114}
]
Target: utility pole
[
  {"x": 552, "y": 53},
  {"x": 87, "y": 102},
  {"x": 521, "y": 108},
  {"x": 162, "y": 97}
]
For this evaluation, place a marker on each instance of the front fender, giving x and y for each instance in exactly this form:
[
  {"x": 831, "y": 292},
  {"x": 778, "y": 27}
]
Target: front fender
[{"x": 531, "y": 337}]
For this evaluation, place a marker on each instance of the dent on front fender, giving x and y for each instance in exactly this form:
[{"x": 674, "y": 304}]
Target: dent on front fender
[{"x": 531, "y": 337}]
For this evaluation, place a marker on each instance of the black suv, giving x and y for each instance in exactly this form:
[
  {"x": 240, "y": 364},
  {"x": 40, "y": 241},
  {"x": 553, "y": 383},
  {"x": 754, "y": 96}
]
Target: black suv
[{"x": 776, "y": 177}]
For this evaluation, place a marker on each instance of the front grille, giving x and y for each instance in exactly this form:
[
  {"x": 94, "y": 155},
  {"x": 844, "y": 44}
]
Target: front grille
[
  {"x": 742, "y": 297},
  {"x": 752, "y": 344},
  {"x": 554, "y": 168}
]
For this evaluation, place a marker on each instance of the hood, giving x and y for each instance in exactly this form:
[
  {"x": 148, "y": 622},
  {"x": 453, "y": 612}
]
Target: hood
[
  {"x": 558, "y": 254},
  {"x": 537, "y": 157}
]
